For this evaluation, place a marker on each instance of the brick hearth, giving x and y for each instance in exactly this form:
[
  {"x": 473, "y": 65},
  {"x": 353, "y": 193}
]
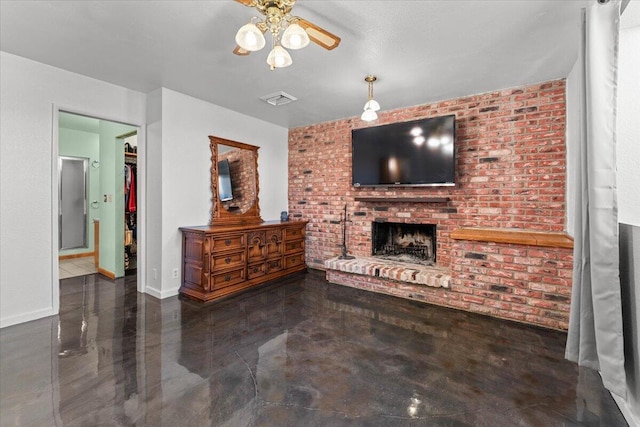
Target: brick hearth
[
  {"x": 436, "y": 277},
  {"x": 510, "y": 166}
]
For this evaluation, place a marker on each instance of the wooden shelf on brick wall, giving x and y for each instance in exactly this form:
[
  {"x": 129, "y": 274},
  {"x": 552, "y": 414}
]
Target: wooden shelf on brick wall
[
  {"x": 403, "y": 199},
  {"x": 518, "y": 237}
]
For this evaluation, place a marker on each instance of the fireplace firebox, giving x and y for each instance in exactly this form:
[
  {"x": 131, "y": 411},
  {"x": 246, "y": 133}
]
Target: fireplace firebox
[{"x": 414, "y": 243}]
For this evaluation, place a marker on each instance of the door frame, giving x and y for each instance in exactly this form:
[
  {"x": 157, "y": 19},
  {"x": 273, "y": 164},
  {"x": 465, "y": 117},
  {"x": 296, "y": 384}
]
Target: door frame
[{"x": 141, "y": 191}]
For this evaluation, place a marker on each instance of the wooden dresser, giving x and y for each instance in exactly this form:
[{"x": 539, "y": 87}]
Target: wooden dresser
[{"x": 221, "y": 260}]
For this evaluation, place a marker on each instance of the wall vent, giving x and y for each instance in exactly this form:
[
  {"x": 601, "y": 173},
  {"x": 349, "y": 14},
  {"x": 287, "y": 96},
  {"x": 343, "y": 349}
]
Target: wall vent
[{"x": 278, "y": 98}]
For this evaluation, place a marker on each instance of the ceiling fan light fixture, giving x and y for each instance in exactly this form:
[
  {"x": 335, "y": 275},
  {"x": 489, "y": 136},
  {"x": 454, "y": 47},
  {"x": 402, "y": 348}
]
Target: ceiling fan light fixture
[
  {"x": 292, "y": 32},
  {"x": 279, "y": 58},
  {"x": 249, "y": 37},
  {"x": 295, "y": 37}
]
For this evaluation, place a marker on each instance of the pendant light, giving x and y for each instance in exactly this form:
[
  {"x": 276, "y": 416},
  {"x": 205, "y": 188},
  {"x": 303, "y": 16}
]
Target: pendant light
[{"x": 371, "y": 106}]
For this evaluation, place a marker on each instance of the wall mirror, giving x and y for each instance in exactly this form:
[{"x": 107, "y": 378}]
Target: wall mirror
[{"x": 234, "y": 182}]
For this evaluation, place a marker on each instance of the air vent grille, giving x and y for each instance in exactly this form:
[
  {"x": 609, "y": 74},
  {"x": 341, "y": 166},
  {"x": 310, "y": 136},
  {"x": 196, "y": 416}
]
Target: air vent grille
[{"x": 278, "y": 98}]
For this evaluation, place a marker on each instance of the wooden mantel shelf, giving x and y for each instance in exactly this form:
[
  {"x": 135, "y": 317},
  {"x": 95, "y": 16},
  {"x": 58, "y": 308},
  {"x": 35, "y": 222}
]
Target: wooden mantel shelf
[
  {"x": 402, "y": 199},
  {"x": 515, "y": 236}
]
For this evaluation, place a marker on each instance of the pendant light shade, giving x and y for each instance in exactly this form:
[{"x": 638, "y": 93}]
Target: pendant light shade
[
  {"x": 295, "y": 37},
  {"x": 249, "y": 37},
  {"x": 372, "y": 105},
  {"x": 369, "y": 115},
  {"x": 279, "y": 58}
]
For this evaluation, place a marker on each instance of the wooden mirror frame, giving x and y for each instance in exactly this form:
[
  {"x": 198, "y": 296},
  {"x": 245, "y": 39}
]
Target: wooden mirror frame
[{"x": 219, "y": 215}]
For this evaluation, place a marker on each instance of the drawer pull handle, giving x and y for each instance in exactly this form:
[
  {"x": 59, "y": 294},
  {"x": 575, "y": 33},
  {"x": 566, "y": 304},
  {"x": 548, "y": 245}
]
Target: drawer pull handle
[
  {"x": 255, "y": 269},
  {"x": 227, "y": 278},
  {"x": 227, "y": 242},
  {"x": 227, "y": 260}
]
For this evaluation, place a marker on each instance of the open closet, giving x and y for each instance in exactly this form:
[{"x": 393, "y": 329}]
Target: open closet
[{"x": 130, "y": 200}]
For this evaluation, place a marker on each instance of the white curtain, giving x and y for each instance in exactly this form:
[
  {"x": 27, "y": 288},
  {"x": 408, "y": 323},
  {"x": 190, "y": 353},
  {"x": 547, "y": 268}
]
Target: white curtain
[{"x": 595, "y": 335}]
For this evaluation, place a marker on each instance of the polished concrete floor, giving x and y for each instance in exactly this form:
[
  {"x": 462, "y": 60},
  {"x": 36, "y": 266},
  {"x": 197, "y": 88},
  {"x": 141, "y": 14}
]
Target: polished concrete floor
[{"x": 298, "y": 353}]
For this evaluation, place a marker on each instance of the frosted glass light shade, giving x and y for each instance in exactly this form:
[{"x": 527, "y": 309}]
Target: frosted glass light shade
[
  {"x": 369, "y": 115},
  {"x": 295, "y": 37},
  {"x": 279, "y": 58},
  {"x": 372, "y": 104},
  {"x": 249, "y": 37}
]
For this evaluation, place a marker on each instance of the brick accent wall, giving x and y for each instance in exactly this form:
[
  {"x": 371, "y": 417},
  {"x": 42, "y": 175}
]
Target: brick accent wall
[{"x": 510, "y": 171}]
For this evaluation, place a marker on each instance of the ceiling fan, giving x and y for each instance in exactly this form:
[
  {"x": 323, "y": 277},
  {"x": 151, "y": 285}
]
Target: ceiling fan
[{"x": 286, "y": 30}]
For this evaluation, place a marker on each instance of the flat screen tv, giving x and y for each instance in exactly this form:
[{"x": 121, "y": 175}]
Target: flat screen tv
[
  {"x": 415, "y": 153},
  {"x": 224, "y": 181}
]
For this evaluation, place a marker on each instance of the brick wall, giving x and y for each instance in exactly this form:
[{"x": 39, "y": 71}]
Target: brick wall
[{"x": 510, "y": 166}]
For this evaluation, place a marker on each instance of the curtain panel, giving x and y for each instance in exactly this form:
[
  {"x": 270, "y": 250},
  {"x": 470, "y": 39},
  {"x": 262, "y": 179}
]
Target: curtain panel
[{"x": 595, "y": 336}]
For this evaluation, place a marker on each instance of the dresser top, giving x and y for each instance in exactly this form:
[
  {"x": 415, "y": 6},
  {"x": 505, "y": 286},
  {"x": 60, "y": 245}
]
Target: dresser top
[{"x": 240, "y": 227}]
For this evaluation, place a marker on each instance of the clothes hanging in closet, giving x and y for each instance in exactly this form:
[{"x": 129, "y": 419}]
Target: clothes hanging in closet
[{"x": 130, "y": 188}]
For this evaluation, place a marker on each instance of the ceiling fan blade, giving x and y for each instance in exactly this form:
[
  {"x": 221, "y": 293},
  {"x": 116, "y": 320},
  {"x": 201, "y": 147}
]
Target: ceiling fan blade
[
  {"x": 318, "y": 35},
  {"x": 240, "y": 51}
]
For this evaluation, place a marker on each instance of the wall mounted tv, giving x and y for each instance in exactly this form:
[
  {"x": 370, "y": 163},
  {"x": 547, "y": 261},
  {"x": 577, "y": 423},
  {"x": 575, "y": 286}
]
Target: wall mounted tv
[{"x": 415, "y": 153}]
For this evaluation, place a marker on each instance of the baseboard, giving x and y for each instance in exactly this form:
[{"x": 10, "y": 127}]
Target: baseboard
[
  {"x": 107, "y": 273},
  {"x": 627, "y": 411},
  {"x": 161, "y": 294},
  {"x": 26, "y": 317},
  {"x": 73, "y": 256}
]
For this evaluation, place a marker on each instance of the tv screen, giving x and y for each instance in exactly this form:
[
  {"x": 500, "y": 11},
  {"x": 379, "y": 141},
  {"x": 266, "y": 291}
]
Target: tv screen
[
  {"x": 415, "y": 153},
  {"x": 224, "y": 181}
]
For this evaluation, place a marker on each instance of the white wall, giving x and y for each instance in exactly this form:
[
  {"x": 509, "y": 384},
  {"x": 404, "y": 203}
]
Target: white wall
[
  {"x": 186, "y": 123},
  {"x": 178, "y": 159},
  {"x": 154, "y": 194},
  {"x": 29, "y": 90}
]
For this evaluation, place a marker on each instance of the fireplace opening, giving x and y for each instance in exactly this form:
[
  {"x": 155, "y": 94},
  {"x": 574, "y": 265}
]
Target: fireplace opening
[{"x": 413, "y": 243}]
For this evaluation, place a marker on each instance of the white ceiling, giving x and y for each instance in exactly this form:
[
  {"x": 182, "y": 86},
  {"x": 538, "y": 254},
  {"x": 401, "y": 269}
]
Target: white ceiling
[{"x": 421, "y": 51}]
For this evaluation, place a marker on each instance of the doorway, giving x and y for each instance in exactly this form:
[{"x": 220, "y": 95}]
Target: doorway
[{"x": 100, "y": 234}]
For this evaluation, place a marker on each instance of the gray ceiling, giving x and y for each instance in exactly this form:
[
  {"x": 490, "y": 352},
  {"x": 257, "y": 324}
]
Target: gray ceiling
[{"x": 421, "y": 51}]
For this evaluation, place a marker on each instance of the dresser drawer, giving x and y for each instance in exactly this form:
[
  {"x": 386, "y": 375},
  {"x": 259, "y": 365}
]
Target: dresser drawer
[
  {"x": 292, "y": 261},
  {"x": 227, "y": 242},
  {"x": 256, "y": 270},
  {"x": 292, "y": 233},
  {"x": 227, "y": 279},
  {"x": 294, "y": 246},
  {"x": 227, "y": 261},
  {"x": 273, "y": 265}
]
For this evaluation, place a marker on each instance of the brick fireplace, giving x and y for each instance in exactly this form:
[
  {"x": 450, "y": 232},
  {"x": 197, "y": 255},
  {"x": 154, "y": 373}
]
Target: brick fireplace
[
  {"x": 397, "y": 241},
  {"x": 510, "y": 194}
]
